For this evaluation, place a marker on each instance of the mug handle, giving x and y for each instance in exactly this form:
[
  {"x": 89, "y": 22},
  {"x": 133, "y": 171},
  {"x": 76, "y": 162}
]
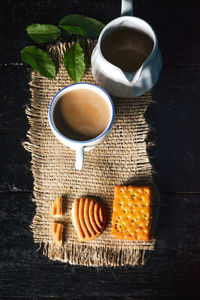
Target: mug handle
[
  {"x": 127, "y": 8},
  {"x": 79, "y": 158}
]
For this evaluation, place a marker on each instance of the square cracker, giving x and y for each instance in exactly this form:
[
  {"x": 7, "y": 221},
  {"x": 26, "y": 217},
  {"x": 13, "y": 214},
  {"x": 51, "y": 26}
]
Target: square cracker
[{"x": 131, "y": 218}]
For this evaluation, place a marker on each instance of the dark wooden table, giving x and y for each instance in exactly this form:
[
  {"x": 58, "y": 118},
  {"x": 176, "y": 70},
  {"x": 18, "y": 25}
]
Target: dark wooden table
[{"x": 173, "y": 268}]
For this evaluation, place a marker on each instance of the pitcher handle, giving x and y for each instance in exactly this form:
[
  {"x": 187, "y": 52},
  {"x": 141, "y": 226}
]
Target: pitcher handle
[
  {"x": 127, "y": 8},
  {"x": 79, "y": 158}
]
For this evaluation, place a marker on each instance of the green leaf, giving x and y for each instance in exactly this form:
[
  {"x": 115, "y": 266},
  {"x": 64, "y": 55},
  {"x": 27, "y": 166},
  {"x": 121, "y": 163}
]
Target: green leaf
[
  {"x": 74, "y": 30},
  {"x": 91, "y": 26},
  {"x": 74, "y": 62},
  {"x": 39, "y": 60},
  {"x": 42, "y": 33}
]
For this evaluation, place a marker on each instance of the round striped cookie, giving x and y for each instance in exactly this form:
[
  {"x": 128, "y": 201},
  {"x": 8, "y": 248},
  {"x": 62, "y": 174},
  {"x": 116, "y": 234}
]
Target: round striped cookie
[{"x": 88, "y": 218}]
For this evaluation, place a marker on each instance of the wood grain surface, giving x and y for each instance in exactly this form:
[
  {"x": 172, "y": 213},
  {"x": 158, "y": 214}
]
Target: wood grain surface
[{"x": 173, "y": 268}]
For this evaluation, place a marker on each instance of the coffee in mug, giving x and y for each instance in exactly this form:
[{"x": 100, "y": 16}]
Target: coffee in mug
[{"x": 81, "y": 114}]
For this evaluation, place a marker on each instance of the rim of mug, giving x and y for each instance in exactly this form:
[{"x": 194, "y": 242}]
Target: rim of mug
[
  {"x": 93, "y": 139},
  {"x": 155, "y": 46}
]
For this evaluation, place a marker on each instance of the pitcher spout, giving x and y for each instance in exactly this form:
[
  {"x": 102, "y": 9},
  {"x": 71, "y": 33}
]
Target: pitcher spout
[{"x": 134, "y": 76}]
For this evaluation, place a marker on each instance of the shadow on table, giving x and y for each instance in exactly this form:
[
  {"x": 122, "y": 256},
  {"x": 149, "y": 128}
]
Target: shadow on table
[{"x": 174, "y": 116}]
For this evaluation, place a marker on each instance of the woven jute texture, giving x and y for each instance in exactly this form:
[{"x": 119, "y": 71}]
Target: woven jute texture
[{"x": 121, "y": 159}]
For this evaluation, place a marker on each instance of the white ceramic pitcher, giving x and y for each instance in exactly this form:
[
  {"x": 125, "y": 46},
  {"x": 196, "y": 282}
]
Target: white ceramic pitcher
[{"x": 116, "y": 81}]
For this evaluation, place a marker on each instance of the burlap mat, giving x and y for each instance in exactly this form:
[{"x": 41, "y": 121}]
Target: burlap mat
[{"x": 121, "y": 159}]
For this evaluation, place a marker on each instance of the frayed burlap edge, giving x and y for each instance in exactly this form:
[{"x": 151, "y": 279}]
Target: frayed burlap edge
[{"x": 98, "y": 256}]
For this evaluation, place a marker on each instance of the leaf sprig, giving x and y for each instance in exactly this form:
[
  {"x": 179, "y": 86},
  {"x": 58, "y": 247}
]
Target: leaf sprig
[{"x": 74, "y": 58}]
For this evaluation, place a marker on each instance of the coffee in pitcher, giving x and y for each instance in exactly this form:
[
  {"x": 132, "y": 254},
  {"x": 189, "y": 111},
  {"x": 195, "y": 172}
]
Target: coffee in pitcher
[{"x": 127, "y": 48}]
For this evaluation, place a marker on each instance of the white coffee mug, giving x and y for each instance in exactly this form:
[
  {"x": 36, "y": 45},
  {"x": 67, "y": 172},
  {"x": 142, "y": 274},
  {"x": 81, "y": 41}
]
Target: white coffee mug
[{"x": 81, "y": 146}]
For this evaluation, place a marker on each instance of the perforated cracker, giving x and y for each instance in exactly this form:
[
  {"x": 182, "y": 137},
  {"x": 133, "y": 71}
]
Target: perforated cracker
[{"x": 131, "y": 218}]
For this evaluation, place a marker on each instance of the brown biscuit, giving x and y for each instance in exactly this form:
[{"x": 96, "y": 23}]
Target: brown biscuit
[
  {"x": 88, "y": 218},
  {"x": 57, "y": 230},
  {"x": 131, "y": 218},
  {"x": 57, "y": 208}
]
